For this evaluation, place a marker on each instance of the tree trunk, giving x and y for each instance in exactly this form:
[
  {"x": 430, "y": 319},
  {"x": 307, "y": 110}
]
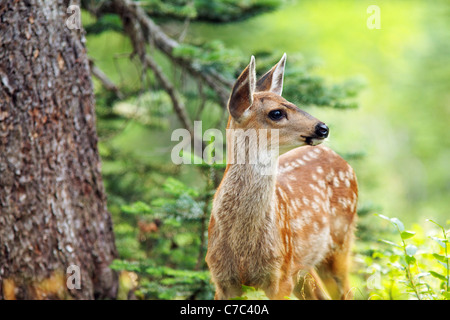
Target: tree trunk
[{"x": 53, "y": 211}]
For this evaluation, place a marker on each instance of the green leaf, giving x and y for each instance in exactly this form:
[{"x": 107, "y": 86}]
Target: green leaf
[
  {"x": 239, "y": 298},
  {"x": 397, "y": 266},
  {"x": 393, "y": 258},
  {"x": 411, "y": 250},
  {"x": 440, "y": 257},
  {"x": 246, "y": 289},
  {"x": 383, "y": 217},
  {"x": 438, "y": 275},
  {"x": 435, "y": 223},
  {"x": 407, "y": 234},
  {"x": 442, "y": 242},
  {"x": 423, "y": 274},
  {"x": 410, "y": 259},
  {"x": 398, "y": 223},
  {"x": 395, "y": 221},
  {"x": 391, "y": 243}
]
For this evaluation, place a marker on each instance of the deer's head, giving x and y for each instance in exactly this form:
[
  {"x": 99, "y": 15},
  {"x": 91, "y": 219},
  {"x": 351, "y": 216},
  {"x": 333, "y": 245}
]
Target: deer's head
[{"x": 259, "y": 105}]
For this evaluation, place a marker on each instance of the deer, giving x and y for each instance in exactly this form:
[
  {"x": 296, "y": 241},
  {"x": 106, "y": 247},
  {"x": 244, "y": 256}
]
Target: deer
[{"x": 290, "y": 229}]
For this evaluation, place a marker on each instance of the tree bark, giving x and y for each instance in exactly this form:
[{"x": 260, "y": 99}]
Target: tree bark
[{"x": 52, "y": 201}]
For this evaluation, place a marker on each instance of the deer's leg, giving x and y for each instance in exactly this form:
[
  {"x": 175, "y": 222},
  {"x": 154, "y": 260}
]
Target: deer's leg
[
  {"x": 310, "y": 287},
  {"x": 227, "y": 291},
  {"x": 280, "y": 287},
  {"x": 339, "y": 266},
  {"x": 283, "y": 291},
  {"x": 335, "y": 271}
]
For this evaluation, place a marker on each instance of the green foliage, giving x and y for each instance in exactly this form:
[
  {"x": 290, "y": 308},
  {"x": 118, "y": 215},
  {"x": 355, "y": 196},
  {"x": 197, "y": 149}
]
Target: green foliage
[
  {"x": 104, "y": 23},
  {"x": 159, "y": 282},
  {"x": 211, "y": 55},
  {"x": 412, "y": 268},
  {"x": 151, "y": 109},
  {"x": 161, "y": 243},
  {"x": 250, "y": 293},
  {"x": 306, "y": 89},
  {"x": 208, "y": 10},
  {"x": 172, "y": 8}
]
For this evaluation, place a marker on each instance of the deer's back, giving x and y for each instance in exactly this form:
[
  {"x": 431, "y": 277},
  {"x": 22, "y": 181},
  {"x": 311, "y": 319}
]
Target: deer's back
[{"x": 316, "y": 196}]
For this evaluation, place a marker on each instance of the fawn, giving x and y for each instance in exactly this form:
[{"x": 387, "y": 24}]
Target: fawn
[{"x": 272, "y": 230}]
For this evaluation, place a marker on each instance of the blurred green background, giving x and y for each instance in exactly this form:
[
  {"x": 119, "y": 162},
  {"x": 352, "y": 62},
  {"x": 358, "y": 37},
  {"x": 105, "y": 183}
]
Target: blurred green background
[
  {"x": 396, "y": 139},
  {"x": 401, "y": 124}
]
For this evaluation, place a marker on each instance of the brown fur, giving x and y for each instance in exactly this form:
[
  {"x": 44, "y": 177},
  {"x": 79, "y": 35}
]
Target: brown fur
[{"x": 274, "y": 231}]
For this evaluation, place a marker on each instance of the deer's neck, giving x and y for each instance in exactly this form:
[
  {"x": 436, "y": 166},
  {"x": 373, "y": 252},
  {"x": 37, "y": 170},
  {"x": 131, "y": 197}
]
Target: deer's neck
[{"x": 246, "y": 196}]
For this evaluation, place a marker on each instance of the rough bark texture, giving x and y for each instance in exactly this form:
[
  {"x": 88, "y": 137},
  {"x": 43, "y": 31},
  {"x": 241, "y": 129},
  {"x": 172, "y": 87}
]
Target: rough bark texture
[{"x": 52, "y": 202}]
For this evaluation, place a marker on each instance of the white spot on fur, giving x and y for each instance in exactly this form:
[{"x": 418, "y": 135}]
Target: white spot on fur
[
  {"x": 294, "y": 205},
  {"x": 296, "y": 224},
  {"x": 333, "y": 211},
  {"x": 336, "y": 182},
  {"x": 326, "y": 206},
  {"x": 349, "y": 174},
  {"x": 312, "y": 155},
  {"x": 345, "y": 202},
  {"x": 315, "y": 188},
  {"x": 347, "y": 183},
  {"x": 317, "y": 199},
  {"x": 306, "y": 216},
  {"x": 316, "y": 227},
  {"x": 330, "y": 175},
  {"x": 283, "y": 194},
  {"x": 330, "y": 192},
  {"x": 315, "y": 206},
  {"x": 319, "y": 170},
  {"x": 305, "y": 201},
  {"x": 321, "y": 184}
]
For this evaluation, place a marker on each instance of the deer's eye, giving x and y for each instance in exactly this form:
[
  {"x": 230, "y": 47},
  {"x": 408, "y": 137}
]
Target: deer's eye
[{"x": 276, "y": 115}]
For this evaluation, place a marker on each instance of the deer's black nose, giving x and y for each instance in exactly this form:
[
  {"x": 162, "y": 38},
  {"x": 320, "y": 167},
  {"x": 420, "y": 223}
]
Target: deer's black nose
[{"x": 322, "y": 130}]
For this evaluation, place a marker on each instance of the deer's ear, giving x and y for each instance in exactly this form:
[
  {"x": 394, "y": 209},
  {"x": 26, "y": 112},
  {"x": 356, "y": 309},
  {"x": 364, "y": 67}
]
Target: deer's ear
[
  {"x": 242, "y": 94},
  {"x": 273, "y": 80}
]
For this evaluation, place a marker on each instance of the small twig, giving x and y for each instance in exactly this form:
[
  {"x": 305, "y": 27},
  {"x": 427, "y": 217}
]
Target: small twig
[
  {"x": 202, "y": 96},
  {"x": 408, "y": 268},
  {"x": 133, "y": 14},
  {"x": 116, "y": 65},
  {"x": 183, "y": 33},
  {"x": 178, "y": 105},
  {"x": 138, "y": 41},
  {"x": 103, "y": 78}
]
